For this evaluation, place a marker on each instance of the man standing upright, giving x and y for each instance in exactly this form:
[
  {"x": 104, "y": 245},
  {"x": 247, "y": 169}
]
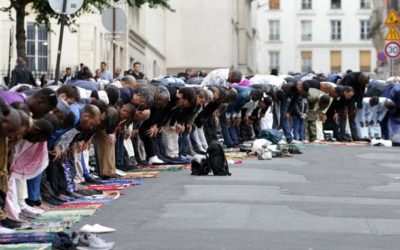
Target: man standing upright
[
  {"x": 21, "y": 74},
  {"x": 68, "y": 75},
  {"x": 137, "y": 66},
  {"x": 105, "y": 75}
]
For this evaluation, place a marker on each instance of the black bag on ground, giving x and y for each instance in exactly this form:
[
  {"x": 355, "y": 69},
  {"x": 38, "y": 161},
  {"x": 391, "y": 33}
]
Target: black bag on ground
[
  {"x": 216, "y": 160},
  {"x": 200, "y": 168}
]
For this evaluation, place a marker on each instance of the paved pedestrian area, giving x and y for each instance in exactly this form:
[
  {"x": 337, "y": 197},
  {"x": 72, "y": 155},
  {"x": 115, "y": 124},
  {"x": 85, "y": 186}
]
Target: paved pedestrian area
[{"x": 327, "y": 198}]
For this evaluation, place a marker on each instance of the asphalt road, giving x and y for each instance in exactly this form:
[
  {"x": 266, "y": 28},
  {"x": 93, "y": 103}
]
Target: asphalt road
[{"x": 327, "y": 198}]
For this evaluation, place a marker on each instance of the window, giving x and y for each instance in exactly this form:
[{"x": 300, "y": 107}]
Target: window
[
  {"x": 364, "y": 29},
  {"x": 306, "y": 4},
  {"x": 365, "y": 4},
  {"x": 336, "y": 30},
  {"x": 306, "y": 30},
  {"x": 336, "y": 61},
  {"x": 274, "y": 34},
  {"x": 336, "y": 4},
  {"x": 274, "y": 60},
  {"x": 306, "y": 61},
  {"x": 274, "y": 4},
  {"x": 36, "y": 48},
  {"x": 365, "y": 61}
]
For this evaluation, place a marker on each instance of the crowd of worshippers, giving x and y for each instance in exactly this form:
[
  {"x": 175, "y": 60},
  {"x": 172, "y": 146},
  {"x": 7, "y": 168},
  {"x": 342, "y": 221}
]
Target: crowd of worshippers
[{"x": 53, "y": 138}]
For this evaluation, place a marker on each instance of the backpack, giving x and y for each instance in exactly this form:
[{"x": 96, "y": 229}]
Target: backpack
[
  {"x": 216, "y": 160},
  {"x": 200, "y": 168}
]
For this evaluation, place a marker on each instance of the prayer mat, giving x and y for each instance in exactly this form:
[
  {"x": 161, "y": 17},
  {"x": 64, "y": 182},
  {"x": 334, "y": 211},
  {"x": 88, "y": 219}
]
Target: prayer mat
[
  {"x": 83, "y": 212},
  {"x": 238, "y": 155},
  {"x": 90, "y": 200},
  {"x": 27, "y": 246},
  {"x": 163, "y": 167},
  {"x": 34, "y": 237},
  {"x": 138, "y": 181},
  {"x": 33, "y": 225},
  {"x": 44, "y": 230},
  {"x": 80, "y": 206},
  {"x": 234, "y": 161},
  {"x": 356, "y": 143},
  {"x": 108, "y": 194},
  {"x": 145, "y": 174},
  {"x": 232, "y": 149},
  {"x": 70, "y": 217},
  {"x": 108, "y": 187}
]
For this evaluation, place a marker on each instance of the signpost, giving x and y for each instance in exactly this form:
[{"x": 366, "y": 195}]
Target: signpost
[
  {"x": 114, "y": 20},
  {"x": 10, "y": 50},
  {"x": 63, "y": 7},
  {"x": 382, "y": 56},
  {"x": 392, "y": 50},
  {"x": 392, "y": 47}
]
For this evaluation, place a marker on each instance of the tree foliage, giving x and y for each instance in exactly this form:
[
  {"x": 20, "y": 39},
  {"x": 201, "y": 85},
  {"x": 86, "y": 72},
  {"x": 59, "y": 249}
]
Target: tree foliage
[{"x": 44, "y": 13}]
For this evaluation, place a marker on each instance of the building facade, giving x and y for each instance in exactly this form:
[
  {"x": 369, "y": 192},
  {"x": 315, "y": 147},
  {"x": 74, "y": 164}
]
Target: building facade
[
  {"x": 88, "y": 42},
  {"x": 320, "y": 35},
  {"x": 205, "y": 36}
]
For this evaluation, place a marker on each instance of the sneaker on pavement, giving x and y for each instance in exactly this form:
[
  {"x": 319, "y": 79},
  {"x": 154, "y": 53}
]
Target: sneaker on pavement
[
  {"x": 95, "y": 242},
  {"x": 96, "y": 228},
  {"x": 155, "y": 160}
]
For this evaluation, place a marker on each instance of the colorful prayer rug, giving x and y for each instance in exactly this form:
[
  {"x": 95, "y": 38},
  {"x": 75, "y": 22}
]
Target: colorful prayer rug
[{"x": 27, "y": 246}]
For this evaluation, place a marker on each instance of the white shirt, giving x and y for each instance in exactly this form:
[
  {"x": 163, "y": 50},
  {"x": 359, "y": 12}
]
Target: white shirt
[
  {"x": 217, "y": 77},
  {"x": 270, "y": 81}
]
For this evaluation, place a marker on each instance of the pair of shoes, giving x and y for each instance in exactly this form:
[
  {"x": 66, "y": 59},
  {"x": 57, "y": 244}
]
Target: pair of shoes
[
  {"x": 33, "y": 203},
  {"x": 29, "y": 214},
  {"x": 111, "y": 176},
  {"x": 128, "y": 168},
  {"x": 155, "y": 160},
  {"x": 76, "y": 195},
  {"x": 35, "y": 210},
  {"x": 9, "y": 223},
  {"x": 90, "y": 180},
  {"x": 93, "y": 241},
  {"x": 89, "y": 192},
  {"x": 49, "y": 199}
]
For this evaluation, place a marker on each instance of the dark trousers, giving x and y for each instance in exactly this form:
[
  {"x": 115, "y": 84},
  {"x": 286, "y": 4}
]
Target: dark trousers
[
  {"x": 147, "y": 141},
  {"x": 210, "y": 131},
  {"x": 342, "y": 124},
  {"x": 119, "y": 149}
]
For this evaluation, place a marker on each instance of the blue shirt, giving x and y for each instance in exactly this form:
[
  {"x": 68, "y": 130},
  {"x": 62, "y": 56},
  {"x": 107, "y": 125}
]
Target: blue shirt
[
  {"x": 76, "y": 110},
  {"x": 106, "y": 75}
]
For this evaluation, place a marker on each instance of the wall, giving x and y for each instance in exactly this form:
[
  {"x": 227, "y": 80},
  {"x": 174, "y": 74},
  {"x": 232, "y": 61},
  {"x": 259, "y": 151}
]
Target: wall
[
  {"x": 199, "y": 35},
  {"x": 290, "y": 44}
]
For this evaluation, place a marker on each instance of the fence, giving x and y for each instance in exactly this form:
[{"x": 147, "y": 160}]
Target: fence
[{"x": 37, "y": 74}]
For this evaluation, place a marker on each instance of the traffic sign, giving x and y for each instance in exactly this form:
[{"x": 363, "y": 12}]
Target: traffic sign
[
  {"x": 392, "y": 50},
  {"x": 382, "y": 56},
  {"x": 114, "y": 36},
  {"x": 393, "y": 34},
  {"x": 71, "y": 7},
  {"x": 114, "y": 19},
  {"x": 392, "y": 18}
]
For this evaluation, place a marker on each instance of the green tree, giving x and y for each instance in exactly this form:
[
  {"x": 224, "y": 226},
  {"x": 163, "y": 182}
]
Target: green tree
[{"x": 44, "y": 13}]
